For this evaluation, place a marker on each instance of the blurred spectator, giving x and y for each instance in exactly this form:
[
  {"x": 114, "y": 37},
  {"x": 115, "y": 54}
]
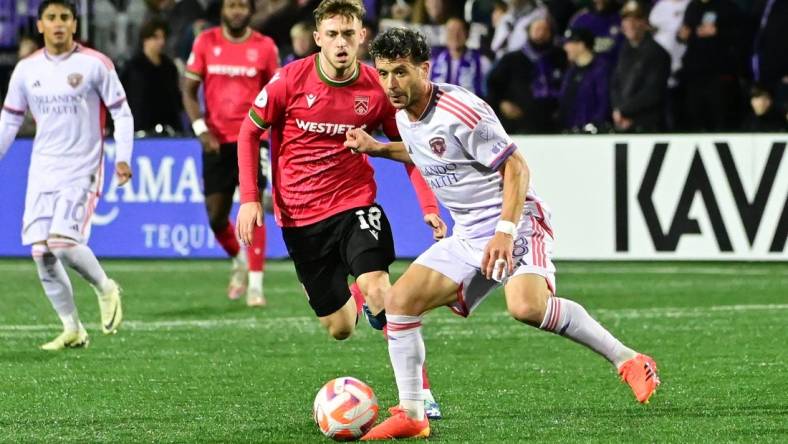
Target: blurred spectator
[
  {"x": 457, "y": 64},
  {"x": 277, "y": 25},
  {"x": 584, "y": 104},
  {"x": 640, "y": 80},
  {"x": 27, "y": 46},
  {"x": 711, "y": 64},
  {"x": 764, "y": 115},
  {"x": 435, "y": 12},
  {"x": 150, "y": 79},
  {"x": 770, "y": 55},
  {"x": 371, "y": 29},
  {"x": 666, "y": 18},
  {"x": 605, "y": 23},
  {"x": 302, "y": 41},
  {"x": 511, "y": 32},
  {"x": 179, "y": 15},
  {"x": 525, "y": 85}
]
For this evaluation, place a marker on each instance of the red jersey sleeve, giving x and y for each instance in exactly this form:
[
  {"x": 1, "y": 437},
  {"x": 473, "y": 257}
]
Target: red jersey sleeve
[
  {"x": 426, "y": 198},
  {"x": 389, "y": 123},
  {"x": 195, "y": 65},
  {"x": 272, "y": 61},
  {"x": 269, "y": 106}
]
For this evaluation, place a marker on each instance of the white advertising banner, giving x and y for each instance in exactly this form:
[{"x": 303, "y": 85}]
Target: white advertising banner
[{"x": 695, "y": 197}]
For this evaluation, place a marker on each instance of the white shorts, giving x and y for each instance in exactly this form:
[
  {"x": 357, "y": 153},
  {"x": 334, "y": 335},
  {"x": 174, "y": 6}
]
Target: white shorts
[
  {"x": 66, "y": 213},
  {"x": 460, "y": 260}
]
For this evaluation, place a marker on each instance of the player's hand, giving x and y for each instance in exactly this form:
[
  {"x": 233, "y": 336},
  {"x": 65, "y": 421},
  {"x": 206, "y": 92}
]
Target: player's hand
[
  {"x": 500, "y": 246},
  {"x": 360, "y": 142},
  {"x": 249, "y": 214},
  {"x": 209, "y": 142},
  {"x": 123, "y": 171},
  {"x": 437, "y": 224}
]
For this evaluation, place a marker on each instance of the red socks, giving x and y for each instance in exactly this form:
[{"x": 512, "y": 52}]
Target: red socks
[
  {"x": 227, "y": 239},
  {"x": 256, "y": 253}
]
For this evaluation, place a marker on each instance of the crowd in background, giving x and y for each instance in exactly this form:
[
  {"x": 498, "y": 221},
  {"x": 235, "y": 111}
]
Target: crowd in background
[{"x": 545, "y": 66}]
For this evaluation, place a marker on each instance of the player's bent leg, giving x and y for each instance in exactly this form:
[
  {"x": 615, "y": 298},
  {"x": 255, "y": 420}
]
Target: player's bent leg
[
  {"x": 57, "y": 288},
  {"x": 341, "y": 323},
  {"x": 218, "y": 206},
  {"x": 374, "y": 285},
  {"x": 418, "y": 290},
  {"x": 80, "y": 257},
  {"x": 530, "y": 300}
]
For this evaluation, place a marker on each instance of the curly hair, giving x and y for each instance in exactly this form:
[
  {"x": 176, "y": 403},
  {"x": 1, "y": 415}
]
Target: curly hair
[{"x": 398, "y": 43}]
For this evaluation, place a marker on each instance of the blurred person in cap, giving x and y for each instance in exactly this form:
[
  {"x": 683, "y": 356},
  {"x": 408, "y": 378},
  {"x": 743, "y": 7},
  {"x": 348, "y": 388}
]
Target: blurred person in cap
[
  {"x": 640, "y": 79},
  {"x": 603, "y": 20},
  {"x": 665, "y": 19},
  {"x": 584, "y": 103},
  {"x": 764, "y": 116}
]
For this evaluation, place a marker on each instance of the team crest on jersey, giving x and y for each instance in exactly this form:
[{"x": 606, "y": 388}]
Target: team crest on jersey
[
  {"x": 438, "y": 145},
  {"x": 74, "y": 79},
  {"x": 217, "y": 51},
  {"x": 252, "y": 54},
  {"x": 361, "y": 105}
]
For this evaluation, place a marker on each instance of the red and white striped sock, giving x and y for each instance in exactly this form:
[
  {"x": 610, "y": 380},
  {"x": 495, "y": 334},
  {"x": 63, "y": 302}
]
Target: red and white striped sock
[
  {"x": 407, "y": 353},
  {"x": 568, "y": 318}
]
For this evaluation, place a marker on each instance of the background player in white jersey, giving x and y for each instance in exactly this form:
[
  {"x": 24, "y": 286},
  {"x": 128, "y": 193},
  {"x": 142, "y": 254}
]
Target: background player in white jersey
[
  {"x": 502, "y": 231},
  {"x": 67, "y": 88}
]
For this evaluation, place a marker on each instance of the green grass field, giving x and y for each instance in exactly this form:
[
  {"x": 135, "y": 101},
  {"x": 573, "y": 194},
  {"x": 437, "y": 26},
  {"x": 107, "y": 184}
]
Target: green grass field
[{"x": 190, "y": 366}]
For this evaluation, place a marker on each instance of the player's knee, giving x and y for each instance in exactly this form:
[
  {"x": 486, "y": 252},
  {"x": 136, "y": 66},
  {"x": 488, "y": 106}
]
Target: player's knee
[
  {"x": 527, "y": 311},
  {"x": 340, "y": 332},
  {"x": 403, "y": 302}
]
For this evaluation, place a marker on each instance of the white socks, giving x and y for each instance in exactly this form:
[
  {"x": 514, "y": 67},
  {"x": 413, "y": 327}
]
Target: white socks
[
  {"x": 256, "y": 281},
  {"x": 570, "y": 319},
  {"x": 406, "y": 350},
  {"x": 81, "y": 258},
  {"x": 57, "y": 286}
]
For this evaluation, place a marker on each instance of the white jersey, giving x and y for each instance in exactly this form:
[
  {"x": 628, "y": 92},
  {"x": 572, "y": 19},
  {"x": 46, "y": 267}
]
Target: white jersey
[
  {"x": 66, "y": 95},
  {"x": 458, "y": 145}
]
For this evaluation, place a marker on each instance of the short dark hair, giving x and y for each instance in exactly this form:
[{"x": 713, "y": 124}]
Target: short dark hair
[
  {"x": 345, "y": 8},
  {"x": 398, "y": 43},
  {"x": 149, "y": 27},
  {"x": 465, "y": 24},
  {"x": 252, "y": 6},
  {"x": 65, "y": 3}
]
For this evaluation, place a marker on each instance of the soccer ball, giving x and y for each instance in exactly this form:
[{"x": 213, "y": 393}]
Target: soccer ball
[{"x": 345, "y": 408}]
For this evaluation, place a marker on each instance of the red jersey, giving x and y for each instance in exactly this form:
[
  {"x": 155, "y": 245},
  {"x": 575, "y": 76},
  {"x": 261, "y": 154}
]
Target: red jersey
[
  {"x": 314, "y": 175},
  {"x": 232, "y": 73}
]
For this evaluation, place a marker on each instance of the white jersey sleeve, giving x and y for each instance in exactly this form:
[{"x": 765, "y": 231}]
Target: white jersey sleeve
[
  {"x": 112, "y": 94},
  {"x": 13, "y": 113}
]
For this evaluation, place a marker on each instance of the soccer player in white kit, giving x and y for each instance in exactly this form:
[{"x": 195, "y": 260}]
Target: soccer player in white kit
[
  {"x": 67, "y": 88},
  {"x": 502, "y": 233}
]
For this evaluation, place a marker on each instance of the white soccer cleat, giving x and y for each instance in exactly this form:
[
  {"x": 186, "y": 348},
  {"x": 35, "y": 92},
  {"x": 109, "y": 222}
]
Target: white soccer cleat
[
  {"x": 238, "y": 277},
  {"x": 68, "y": 339},
  {"x": 255, "y": 298},
  {"x": 111, "y": 309}
]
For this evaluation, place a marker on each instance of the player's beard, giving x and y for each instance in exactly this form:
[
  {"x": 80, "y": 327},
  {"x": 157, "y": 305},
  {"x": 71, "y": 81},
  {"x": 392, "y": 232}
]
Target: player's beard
[{"x": 236, "y": 30}]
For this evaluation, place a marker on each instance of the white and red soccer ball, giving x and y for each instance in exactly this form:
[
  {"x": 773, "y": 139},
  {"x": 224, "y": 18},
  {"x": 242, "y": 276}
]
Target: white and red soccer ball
[{"x": 345, "y": 409}]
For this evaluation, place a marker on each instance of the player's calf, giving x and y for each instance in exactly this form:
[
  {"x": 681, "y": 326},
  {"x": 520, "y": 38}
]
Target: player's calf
[{"x": 526, "y": 298}]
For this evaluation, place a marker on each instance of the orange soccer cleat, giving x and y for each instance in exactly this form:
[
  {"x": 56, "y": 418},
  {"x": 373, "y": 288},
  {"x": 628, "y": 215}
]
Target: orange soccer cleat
[
  {"x": 399, "y": 425},
  {"x": 640, "y": 373}
]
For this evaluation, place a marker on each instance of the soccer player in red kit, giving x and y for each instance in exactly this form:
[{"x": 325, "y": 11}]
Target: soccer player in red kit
[
  {"x": 324, "y": 196},
  {"x": 233, "y": 63}
]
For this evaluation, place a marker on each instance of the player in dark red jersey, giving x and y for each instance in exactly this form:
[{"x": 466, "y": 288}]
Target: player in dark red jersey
[
  {"x": 324, "y": 196},
  {"x": 233, "y": 63}
]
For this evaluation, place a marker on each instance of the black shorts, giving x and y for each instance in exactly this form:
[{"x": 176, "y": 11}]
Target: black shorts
[
  {"x": 220, "y": 169},
  {"x": 353, "y": 242}
]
